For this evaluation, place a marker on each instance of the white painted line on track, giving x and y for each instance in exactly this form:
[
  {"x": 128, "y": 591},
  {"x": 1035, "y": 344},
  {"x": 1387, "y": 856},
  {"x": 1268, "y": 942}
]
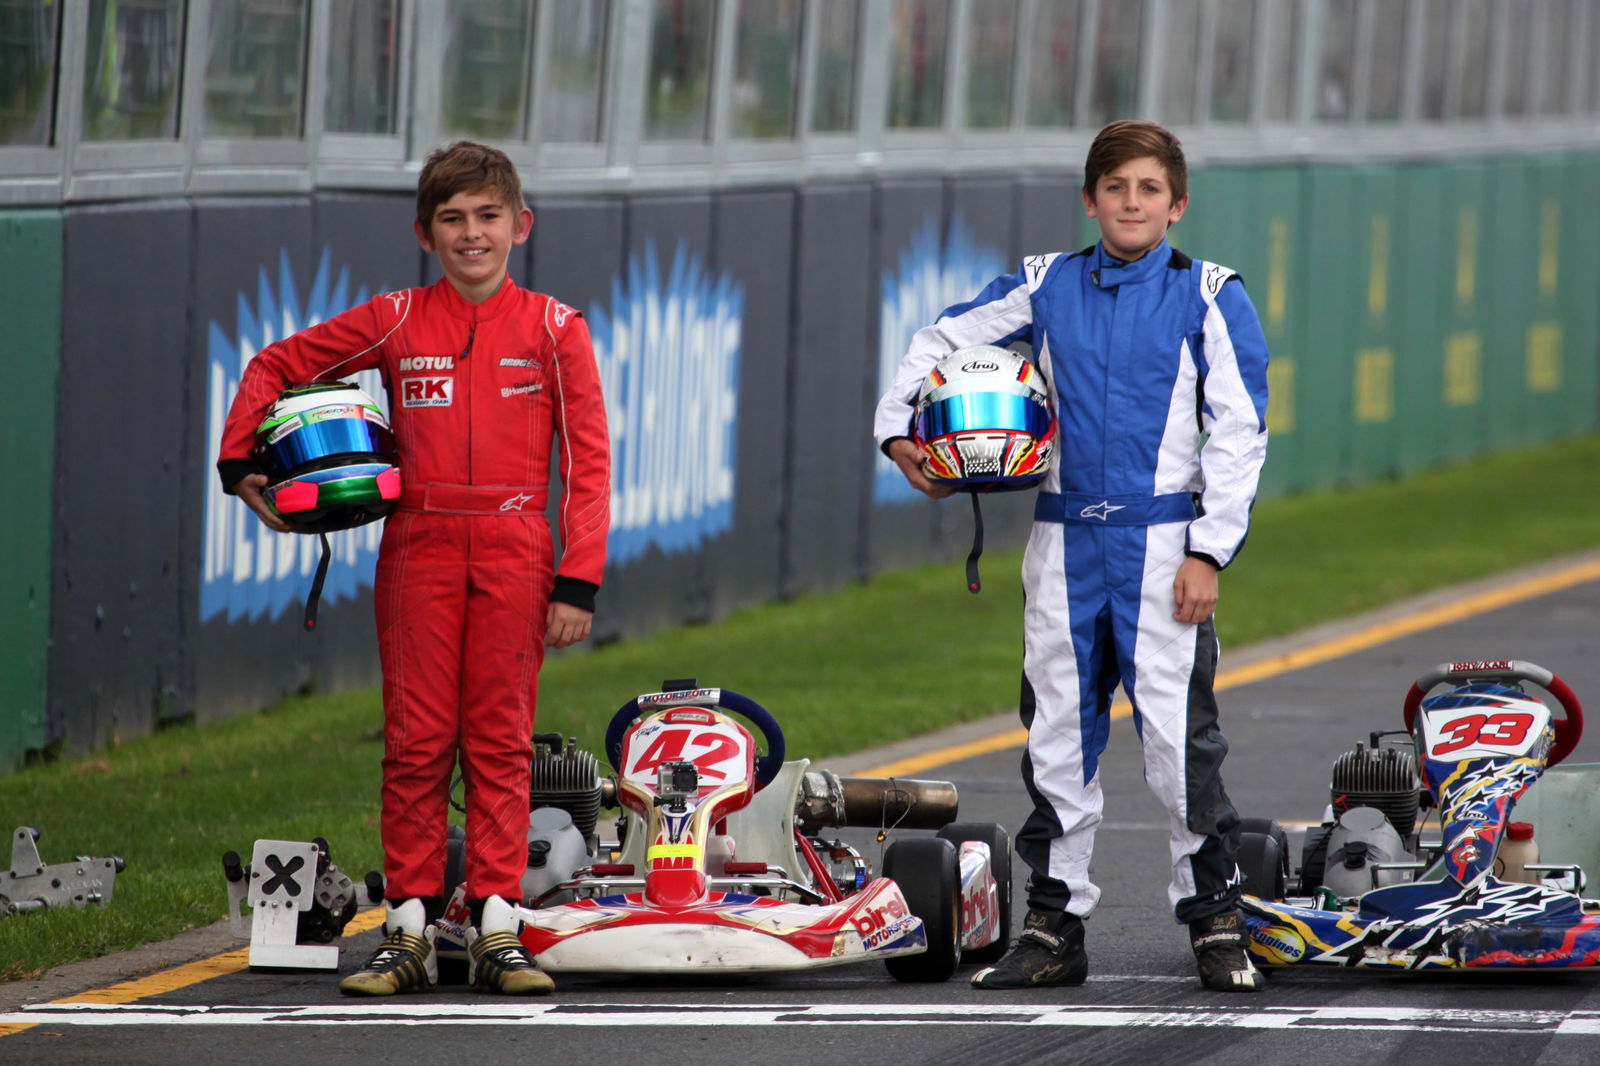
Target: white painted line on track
[{"x": 1370, "y": 1019}]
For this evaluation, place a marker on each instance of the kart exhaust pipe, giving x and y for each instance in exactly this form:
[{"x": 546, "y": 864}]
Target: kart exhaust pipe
[{"x": 827, "y": 799}]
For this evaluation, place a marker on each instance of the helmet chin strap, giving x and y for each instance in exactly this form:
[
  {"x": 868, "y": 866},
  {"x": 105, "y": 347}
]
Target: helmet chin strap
[
  {"x": 315, "y": 595},
  {"x": 974, "y": 586}
]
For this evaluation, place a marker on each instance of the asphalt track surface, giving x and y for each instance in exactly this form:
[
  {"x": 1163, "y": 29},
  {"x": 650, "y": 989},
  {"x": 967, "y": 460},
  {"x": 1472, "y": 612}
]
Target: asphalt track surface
[{"x": 1289, "y": 709}]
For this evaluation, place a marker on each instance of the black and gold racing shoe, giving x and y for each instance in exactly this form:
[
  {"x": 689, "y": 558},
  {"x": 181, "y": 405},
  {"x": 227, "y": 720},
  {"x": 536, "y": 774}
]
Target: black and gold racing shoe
[
  {"x": 497, "y": 960},
  {"x": 1048, "y": 952},
  {"x": 1220, "y": 945},
  {"x": 406, "y": 961}
]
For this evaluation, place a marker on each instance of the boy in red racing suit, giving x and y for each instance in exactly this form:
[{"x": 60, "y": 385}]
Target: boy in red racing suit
[{"x": 482, "y": 377}]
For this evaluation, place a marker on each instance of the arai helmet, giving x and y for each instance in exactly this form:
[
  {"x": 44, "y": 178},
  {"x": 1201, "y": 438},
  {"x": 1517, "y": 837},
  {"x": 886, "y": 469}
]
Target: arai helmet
[
  {"x": 985, "y": 420},
  {"x": 329, "y": 457}
]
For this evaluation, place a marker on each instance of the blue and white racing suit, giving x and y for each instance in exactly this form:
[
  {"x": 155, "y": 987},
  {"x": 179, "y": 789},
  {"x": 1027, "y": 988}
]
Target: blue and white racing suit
[{"x": 1145, "y": 360}]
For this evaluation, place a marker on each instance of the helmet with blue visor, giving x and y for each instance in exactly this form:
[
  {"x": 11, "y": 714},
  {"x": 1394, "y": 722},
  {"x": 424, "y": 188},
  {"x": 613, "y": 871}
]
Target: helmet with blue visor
[
  {"x": 329, "y": 457},
  {"x": 985, "y": 421}
]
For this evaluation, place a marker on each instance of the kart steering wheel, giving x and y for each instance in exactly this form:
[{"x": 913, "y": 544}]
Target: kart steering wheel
[
  {"x": 767, "y": 766},
  {"x": 1568, "y": 729}
]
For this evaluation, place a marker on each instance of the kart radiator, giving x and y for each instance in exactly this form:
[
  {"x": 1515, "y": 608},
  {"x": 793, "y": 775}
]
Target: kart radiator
[
  {"x": 568, "y": 779},
  {"x": 1384, "y": 778}
]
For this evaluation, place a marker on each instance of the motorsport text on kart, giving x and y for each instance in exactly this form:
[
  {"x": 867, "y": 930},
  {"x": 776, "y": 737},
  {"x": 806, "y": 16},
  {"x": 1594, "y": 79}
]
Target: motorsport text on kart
[
  {"x": 724, "y": 861},
  {"x": 1376, "y": 891}
]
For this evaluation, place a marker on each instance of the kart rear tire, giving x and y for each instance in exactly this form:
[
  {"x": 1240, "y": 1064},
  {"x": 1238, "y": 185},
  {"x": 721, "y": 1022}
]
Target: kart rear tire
[
  {"x": 1314, "y": 857},
  {"x": 927, "y": 871},
  {"x": 999, "y": 842},
  {"x": 1263, "y": 858}
]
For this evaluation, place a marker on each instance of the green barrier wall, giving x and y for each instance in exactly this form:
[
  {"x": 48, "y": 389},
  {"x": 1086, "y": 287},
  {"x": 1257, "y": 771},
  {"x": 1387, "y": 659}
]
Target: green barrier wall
[
  {"x": 30, "y": 275},
  {"x": 1417, "y": 313}
]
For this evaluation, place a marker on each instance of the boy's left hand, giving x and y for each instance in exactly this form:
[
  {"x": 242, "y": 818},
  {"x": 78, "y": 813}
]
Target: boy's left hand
[
  {"x": 1195, "y": 590},
  {"x": 565, "y": 625}
]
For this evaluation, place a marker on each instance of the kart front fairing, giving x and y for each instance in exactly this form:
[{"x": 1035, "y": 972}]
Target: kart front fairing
[
  {"x": 1479, "y": 748},
  {"x": 712, "y": 874}
]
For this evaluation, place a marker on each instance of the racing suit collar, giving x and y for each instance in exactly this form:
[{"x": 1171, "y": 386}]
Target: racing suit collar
[
  {"x": 1107, "y": 271},
  {"x": 461, "y": 307}
]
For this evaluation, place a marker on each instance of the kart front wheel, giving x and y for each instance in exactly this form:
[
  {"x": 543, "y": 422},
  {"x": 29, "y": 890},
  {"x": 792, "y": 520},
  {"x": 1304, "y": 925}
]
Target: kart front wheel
[
  {"x": 927, "y": 872},
  {"x": 999, "y": 842}
]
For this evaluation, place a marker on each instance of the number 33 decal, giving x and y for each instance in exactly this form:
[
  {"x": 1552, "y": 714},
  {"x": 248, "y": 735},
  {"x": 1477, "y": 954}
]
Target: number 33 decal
[{"x": 1506, "y": 729}]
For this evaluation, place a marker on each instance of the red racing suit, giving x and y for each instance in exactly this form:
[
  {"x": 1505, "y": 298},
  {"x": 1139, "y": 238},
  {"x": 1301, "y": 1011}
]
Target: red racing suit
[{"x": 466, "y": 568}]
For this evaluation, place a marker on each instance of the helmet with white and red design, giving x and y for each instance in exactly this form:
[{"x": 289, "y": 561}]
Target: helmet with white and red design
[
  {"x": 329, "y": 457},
  {"x": 985, "y": 421}
]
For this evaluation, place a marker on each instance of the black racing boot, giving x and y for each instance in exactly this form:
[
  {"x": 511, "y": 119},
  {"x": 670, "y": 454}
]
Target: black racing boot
[
  {"x": 1219, "y": 944},
  {"x": 1048, "y": 952}
]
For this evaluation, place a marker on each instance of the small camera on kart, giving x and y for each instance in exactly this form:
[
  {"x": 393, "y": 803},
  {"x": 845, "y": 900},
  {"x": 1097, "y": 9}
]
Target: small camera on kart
[{"x": 677, "y": 780}]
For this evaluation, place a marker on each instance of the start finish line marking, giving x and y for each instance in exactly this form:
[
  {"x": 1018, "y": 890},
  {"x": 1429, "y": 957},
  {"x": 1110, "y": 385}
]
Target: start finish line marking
[{"x": 1371, "y": 1019}]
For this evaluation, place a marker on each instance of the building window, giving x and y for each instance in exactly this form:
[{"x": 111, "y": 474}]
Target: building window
[
  {"x": 916, "y": 64},
  {"x": 255, "y": 68},
  {"x": 486, "y": 53},
  {"x": 679, "y": 88},
  {"x": 1435, "y": 59},
  {"x": 1336, "y": 71},
  {"x": 1180, "y": 64},
  {"x": 1115, "y": 91},
  {"x": 28, "y": 47},
  {"x": 571, "y": 108},
  {"x": 765, "y": 68},
  {"x": 1053, "y": 63},
  {"x": 1469, "y": 64},
  {"x": 991, "y": 61},
  {"x": 1232, "y": 60},
  {"x": 363, "y": 66},
  {"x": 1388, "y": 55},
  {"x": 1283, "y": 62},
  {"x": 833, "y": 96}
]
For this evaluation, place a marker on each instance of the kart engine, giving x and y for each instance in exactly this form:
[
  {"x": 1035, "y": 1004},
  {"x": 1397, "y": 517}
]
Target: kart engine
[
  {"x": 1380, "y": 777},
  {"x": 567, "y": 779}
]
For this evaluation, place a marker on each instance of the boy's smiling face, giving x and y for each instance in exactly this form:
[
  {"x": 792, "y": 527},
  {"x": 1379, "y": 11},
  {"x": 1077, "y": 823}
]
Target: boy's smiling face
[
  {"x": 472, "y": 234},
  {"x": 1133, "y": 205}
]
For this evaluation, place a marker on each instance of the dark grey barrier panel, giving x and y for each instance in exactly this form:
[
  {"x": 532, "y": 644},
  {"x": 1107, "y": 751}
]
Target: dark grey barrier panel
[
  {"x": 754, "y": 242},
  {"x": 910, "y": 286},
  {"x": 662, "y": 344},
  {"x": 576, "y": 252},
  {"x": 116, "y": 638},
  {"x": 1050, "y": 215},
  {"x": 254, "y": 282},
  {"x": 829, "y": 434}
]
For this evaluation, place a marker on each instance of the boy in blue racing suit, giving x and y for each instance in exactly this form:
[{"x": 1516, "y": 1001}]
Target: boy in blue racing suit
[{"x": 1148, "y": 353}]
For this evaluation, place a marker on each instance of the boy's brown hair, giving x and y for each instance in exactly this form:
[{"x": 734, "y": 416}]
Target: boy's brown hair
[
  {"x": 466, "y": 166},
  {"x": 1134, "y": 139}
]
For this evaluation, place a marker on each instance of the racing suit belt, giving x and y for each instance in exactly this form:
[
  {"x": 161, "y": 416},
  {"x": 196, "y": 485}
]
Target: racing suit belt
[
  {"x": 443, "y": 498},
  {"x": 1114, "y": 510}
]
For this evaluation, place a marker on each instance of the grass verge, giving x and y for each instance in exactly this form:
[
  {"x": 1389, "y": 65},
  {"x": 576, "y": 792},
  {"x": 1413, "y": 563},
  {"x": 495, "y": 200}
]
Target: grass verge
[{"x": 903, "y": 654}]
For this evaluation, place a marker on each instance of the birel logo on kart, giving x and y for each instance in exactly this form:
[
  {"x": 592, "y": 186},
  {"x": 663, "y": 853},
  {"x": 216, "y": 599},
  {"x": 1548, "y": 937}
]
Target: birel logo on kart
[
  {"x": 878, "y": 925},
  {"x": 1505, "y": 729},
  {"x": 719, "y": 749}
]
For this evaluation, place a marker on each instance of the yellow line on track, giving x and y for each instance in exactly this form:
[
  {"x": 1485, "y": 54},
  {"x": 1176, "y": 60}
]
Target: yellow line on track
[
  {"x": 1466, "y": 607},
  {"x": 191, "y": 973}
]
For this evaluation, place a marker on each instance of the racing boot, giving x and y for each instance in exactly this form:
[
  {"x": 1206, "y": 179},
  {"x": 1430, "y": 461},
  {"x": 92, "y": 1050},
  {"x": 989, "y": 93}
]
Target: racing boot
[
  {"x": 499, "y": 962},
  {"x": 1048, "y": 952},
  {"x": 1219, "y": 950},
  {"x": 406, "y": 961}
]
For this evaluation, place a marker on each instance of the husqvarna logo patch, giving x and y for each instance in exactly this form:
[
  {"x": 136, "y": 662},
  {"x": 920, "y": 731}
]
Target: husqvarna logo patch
[{"x": 427, "y": 392}]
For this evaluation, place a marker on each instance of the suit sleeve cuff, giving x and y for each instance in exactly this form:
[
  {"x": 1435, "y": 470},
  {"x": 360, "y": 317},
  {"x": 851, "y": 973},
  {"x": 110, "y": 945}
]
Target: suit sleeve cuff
[
  {"x": 233, "y": 471},
  {"x": 1202, "y": 555},
  {"x": 884, "y": 447},
  {"x": 574, "y": 592}
]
